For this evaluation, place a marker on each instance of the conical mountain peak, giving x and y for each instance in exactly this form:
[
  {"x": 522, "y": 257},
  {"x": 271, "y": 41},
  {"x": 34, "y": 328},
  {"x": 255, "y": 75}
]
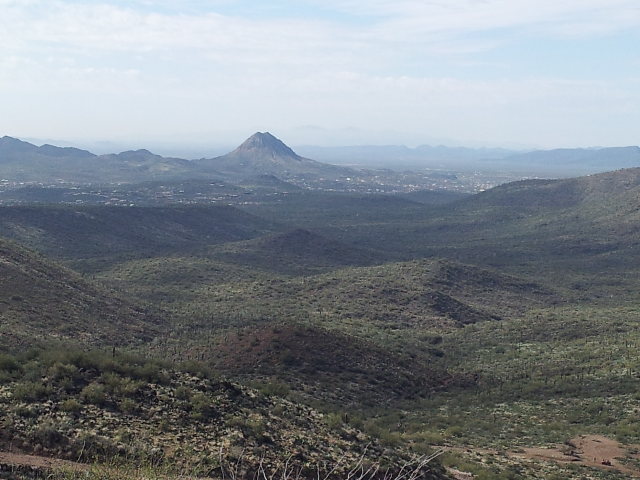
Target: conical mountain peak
[
  {"x": 263, "y": 154},
  {"x": 266, "y": 143}
]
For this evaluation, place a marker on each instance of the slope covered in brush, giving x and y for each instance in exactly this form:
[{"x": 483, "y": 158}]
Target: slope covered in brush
[
  {"x": 568, "y": 232},
  {"x": 40, "y": 301},
  {"x": 330, "y": 366},
  {"x": 399, "y": 295},
  {"x": 95, "y": 407},
  {"x": 297, "y": 252},
  {"x": 90, "y": 235}
]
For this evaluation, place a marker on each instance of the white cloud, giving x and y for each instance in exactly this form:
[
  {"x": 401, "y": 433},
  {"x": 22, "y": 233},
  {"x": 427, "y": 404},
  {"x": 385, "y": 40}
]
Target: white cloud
[
  {"x": 104, "y": 27},
  {"x": 208, "y": 68}
]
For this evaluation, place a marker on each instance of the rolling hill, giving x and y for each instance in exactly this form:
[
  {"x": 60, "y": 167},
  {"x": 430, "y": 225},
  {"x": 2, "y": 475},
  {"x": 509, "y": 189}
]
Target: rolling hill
[
  {"x": 41, "y": 301},
  {"x": 297, "y": 252},
  {"x": 411, "y": 296},
  {"x": 572, "y": 231},
  {"x": 86, "y": 236},
  {"x": 329, "y": 366}
]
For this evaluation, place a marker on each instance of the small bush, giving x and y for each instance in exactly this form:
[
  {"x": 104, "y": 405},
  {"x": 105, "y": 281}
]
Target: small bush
[
  {"x": 30, "y": 391},
  {"x": 128, "y": 405},
  {"x": 288, "y": 358},
  {"x": 198, "y": 369},
  {"x": 333, "y": 421},
  {"x": 183, "y": 393},
  {"x": 48, "y": 436},
  {"x": 390, "y": 439},
  {"x": 8, "y": 364},
  {"x": 94, "y": 393},
  {"x": 274, "y": 389},
  {"x": 60, "y": 371},
  {"x": 70, "y": 405},
  {"x": 201, "y": 407}
]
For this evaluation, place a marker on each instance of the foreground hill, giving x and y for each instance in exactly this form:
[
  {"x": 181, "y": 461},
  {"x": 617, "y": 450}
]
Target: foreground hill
[
  {"x": 41, "y": 301},
  {"x": 95, "y": 407}
]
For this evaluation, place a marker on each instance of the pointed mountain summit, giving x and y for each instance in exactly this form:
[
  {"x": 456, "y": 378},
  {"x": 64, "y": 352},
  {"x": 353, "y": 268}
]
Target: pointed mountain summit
[
  {"x": 265, "y": 144},
  {"x": 264, "y": 154}
]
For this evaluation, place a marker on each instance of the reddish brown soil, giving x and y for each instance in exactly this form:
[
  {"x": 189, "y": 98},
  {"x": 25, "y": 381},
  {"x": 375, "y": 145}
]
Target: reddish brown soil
[{"x": 349, "y": 369}]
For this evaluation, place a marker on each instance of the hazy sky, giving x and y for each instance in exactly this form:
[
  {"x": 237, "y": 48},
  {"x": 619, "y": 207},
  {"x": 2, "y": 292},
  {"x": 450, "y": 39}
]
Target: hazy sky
[{"x": 535, "y": 72}]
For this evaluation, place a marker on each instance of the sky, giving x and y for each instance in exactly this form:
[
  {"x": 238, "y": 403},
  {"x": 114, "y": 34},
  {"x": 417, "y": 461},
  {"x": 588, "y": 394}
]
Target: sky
[{"x": 529, "y": 73}]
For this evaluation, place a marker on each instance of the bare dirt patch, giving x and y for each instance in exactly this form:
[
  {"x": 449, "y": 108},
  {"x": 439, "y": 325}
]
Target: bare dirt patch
[
  {"x": 458, "y": 475},
  {"x": 590, "y": 450}
]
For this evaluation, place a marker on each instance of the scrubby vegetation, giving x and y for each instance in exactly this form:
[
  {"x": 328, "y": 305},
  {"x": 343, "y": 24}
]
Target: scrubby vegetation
[
  {"x": 97, "y": 406},
  {"x": 258, "y": 335}
]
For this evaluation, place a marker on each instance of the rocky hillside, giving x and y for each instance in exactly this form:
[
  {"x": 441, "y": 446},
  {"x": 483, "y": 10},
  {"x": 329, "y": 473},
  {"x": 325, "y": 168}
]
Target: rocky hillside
[
  {"x": 93, "y": 407},
  {"x": 41, "y": 301},
  {"x": 323, "y": 365}
]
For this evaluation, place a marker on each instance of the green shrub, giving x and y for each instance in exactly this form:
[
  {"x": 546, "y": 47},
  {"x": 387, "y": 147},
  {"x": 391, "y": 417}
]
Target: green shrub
[
  {"x": 128, "y": 405},
  {"x": 390, "y": 439},
  {"x": 151, "y": 373},
  {"x": 197, "y": 369},
  {"x": 94, "y": 393},
  {"x": 183, "y": 393},
  {"x": 48, "y": 436},
  {"x": 274, "y": 388},
  {"x": 111, "y": 381},
  {"x": 256, "y": 429},
  {"x": 70, "y": 405},
  {"x": 30, "y": 391},
  {"x": 201, "y": 407},
  {"x": 8, "y": 364},
  {"x": 288, "y": 358},
  {"x": 60, "y": 371},
  {"x": 333, "y": 421}
]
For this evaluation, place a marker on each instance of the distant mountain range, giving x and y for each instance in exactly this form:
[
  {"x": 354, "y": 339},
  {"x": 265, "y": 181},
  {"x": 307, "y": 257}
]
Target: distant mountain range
[
  {"x": 11, "y": 146},
  {"x": 608, "y": 158},
  {"x": 261, "y": 154},
  {"x": 563, "y": 161},
  {"x": 24, "y": 162},
  {"x": 264, "y": 154},
  {"x": 363, "y": 154}
]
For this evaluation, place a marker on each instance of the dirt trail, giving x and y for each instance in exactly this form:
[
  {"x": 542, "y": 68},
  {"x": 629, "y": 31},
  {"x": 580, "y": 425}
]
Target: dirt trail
[{"x": 18, "y": 460}]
